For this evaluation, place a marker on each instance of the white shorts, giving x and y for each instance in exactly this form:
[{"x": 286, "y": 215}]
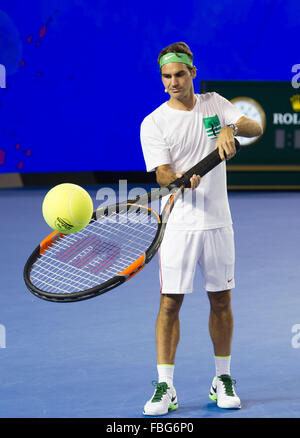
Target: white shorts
[{"x": 181, "y": 251}]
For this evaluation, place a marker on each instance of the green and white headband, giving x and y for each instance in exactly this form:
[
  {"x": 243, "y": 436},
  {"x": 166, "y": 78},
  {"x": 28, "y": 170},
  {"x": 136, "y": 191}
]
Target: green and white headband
[{"x": 175, "y": 57}]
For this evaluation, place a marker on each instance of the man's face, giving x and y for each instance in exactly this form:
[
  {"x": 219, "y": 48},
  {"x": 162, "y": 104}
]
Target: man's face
[{"x": 177, "y": 79}]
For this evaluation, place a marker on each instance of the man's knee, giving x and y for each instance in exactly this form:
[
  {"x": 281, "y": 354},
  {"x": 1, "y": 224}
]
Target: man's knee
[
  {"x": 220, "y": 301},
  {"x": 170, "y": 304}
]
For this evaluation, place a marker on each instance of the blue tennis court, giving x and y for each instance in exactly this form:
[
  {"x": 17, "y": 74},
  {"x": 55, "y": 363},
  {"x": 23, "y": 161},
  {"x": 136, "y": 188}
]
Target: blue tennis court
[{"x": 97, "y": 358}]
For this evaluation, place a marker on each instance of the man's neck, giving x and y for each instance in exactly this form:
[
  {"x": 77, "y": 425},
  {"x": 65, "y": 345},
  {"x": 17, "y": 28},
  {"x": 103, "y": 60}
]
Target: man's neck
[{"x": 186, "y": 104}]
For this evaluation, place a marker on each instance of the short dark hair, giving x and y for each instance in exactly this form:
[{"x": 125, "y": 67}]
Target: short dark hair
[{"x": 180, "y": 47}]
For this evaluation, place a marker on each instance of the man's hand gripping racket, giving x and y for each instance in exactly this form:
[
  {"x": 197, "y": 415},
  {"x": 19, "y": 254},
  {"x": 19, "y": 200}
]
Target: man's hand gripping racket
[{"x": 117, "y": 243}]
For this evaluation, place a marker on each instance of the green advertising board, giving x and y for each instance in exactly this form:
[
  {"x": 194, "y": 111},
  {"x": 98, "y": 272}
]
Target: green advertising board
[{"x": 271, "y": 161}]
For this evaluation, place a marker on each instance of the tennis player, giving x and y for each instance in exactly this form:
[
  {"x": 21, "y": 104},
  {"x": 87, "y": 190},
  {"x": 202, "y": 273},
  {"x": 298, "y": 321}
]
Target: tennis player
[{"x": 175, "y": 136}]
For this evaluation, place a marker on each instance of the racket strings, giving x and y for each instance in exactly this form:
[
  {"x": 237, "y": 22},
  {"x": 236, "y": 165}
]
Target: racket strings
[
  {"x": 100, "y": 251},
  {"x": 112, "y": 226},
  {"x": 133, "y": 239}
]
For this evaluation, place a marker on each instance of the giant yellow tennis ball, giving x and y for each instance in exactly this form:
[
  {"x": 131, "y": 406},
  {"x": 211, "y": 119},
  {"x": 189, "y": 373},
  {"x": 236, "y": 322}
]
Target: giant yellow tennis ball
[{"x": 67, "y": 208}]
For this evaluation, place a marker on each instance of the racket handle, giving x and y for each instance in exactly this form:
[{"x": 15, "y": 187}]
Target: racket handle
[{"x": 202, "y": 168}]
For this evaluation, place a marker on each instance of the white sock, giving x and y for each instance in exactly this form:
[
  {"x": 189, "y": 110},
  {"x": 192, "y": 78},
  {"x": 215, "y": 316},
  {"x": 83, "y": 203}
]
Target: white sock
[
  {"x": 165, "y": 373},
  {"x": 222, "y": 365}
]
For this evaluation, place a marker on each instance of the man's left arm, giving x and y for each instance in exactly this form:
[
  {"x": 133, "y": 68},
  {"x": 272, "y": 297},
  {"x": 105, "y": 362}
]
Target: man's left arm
[
  {"x": 245, "y": 128},
  {"x": 248, "y": 127}
]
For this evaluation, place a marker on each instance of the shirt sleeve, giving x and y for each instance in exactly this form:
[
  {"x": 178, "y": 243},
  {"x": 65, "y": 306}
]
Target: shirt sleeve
[
  {"x": 156, "y": 153},
  {"x": 229, "y": 112}
]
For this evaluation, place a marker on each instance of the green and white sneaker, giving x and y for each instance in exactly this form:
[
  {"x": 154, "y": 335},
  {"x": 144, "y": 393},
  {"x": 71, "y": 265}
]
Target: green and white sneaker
[
  {"x": 163, "y": 400},
  {"x": 223, "y": 393}
]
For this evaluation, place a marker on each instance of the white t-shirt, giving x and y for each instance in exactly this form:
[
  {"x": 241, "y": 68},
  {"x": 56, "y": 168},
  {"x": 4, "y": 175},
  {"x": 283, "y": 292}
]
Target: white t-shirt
[{"x": 181, "y": 139}]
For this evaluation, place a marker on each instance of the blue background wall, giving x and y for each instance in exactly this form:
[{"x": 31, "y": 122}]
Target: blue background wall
[{"x": 82, "y": 74}]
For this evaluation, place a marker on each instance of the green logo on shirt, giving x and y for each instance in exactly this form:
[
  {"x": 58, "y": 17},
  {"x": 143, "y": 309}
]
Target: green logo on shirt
[{"x": 212, "y": 125}]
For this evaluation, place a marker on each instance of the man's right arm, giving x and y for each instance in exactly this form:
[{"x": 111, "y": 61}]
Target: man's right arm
[{"x": 165, "y": 175}]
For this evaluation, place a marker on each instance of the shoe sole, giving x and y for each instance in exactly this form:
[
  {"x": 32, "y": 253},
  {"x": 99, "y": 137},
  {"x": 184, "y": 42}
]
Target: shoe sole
[{"x": 170, "y": 409}]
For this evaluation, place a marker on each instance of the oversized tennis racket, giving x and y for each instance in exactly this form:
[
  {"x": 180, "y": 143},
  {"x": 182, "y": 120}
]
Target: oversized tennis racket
[{"x": 117, "y": 243}]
